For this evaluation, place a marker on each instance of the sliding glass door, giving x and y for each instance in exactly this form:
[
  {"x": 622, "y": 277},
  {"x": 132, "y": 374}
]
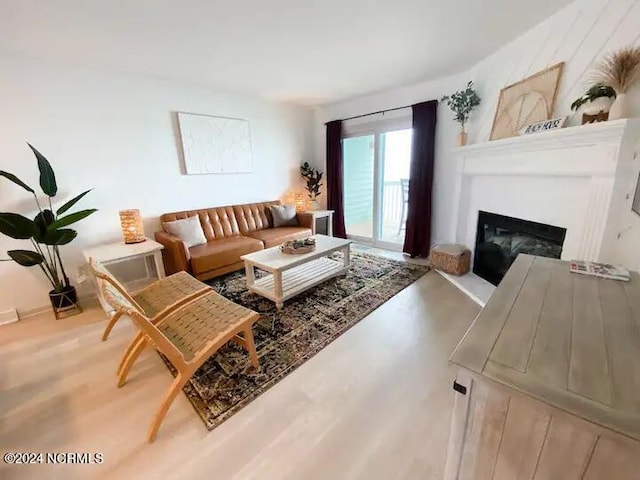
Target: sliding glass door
[{"x": 376, "y": 185}]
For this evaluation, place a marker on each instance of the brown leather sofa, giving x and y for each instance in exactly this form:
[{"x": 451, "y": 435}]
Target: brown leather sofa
[{"x": 231, "y": 232}]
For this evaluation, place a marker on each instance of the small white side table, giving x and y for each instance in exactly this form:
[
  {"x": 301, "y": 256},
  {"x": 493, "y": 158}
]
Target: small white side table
[
  {"x": 316, "y": 214},
  {"x": 120, "y": 252}
]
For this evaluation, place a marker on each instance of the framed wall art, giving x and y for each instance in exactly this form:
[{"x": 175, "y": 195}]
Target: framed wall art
[
  {"x": 526, "y": 102},
  {"x": 215, "y": 144}
]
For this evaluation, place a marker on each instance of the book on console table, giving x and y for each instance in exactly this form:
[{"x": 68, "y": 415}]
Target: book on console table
[{"x": 603, "y": 270}]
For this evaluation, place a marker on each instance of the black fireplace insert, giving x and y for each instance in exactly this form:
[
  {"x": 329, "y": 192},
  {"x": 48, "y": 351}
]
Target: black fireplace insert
[{"x": 499, "y": 240}]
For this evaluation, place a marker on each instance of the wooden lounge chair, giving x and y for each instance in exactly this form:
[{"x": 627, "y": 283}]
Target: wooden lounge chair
[
  {"x": 174, "y": 289},
  {"x": 187, "y": 335}
]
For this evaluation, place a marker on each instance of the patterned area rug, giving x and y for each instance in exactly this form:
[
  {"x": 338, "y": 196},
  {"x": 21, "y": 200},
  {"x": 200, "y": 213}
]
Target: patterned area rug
[{"x": 287, "y": 338}]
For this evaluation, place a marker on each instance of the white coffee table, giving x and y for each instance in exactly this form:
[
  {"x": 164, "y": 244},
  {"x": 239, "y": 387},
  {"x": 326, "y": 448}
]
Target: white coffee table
[{"x": 290, "y": 275}]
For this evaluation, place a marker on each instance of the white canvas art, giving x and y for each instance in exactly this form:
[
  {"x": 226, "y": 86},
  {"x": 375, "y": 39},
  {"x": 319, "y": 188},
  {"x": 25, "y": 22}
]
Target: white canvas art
[{"x": 215, "y": 144}]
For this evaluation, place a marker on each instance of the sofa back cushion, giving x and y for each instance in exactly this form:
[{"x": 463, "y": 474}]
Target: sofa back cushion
[
  {"x": 254, "y": 216},
  {"x": 283, "y": 216},
  {"x": 217, "y": 223},
  {"x": 189, "y": 230}
]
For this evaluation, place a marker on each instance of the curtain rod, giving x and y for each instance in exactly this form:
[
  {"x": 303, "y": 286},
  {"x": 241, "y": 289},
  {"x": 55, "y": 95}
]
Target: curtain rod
[{"x": 376, "y": 113}]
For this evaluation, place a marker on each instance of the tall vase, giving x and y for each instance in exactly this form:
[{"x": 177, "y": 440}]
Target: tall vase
[
  {"x": 620, "y": 108},
  {"x": 462, "y": 137}
]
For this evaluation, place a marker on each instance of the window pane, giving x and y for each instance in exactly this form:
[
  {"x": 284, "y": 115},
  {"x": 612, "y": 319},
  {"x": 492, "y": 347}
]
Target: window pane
[{"x": 358, "y": 158}]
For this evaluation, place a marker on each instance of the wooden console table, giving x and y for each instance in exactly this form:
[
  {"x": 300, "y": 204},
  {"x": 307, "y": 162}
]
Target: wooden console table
[{"x": 549, "y": 379}]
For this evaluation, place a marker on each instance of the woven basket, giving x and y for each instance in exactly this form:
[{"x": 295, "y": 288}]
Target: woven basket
[{"x": 450, "y": 258}]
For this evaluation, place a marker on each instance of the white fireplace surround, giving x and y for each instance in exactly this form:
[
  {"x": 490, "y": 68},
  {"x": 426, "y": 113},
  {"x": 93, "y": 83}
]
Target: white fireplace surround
[{"x": 578, "y": 178}]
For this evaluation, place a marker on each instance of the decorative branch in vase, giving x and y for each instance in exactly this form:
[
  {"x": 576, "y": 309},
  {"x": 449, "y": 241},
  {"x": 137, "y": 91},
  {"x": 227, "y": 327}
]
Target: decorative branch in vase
[
  {"x": 312, "y": 177},
  {"x": 46, "y": 232},
  {"x": 620, "y": 70},
  {"x": 462, "y": 103}
]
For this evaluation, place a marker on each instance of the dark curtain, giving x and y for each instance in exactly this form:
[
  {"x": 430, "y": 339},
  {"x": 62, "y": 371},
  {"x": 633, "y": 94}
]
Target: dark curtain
[
  {"x": 417, "y": 240},
  {"x": 335, "y": 177}
]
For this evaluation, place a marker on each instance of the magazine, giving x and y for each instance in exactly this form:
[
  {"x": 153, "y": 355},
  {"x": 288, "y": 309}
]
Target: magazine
[{"x": 604, "y": 270}]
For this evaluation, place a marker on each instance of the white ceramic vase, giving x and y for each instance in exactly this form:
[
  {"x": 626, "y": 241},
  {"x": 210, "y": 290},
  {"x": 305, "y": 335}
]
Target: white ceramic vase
[
  {"x": 597, "y": 105},
  {"x": 620, "y": 108},
  {"x": 313, "y": 204}
]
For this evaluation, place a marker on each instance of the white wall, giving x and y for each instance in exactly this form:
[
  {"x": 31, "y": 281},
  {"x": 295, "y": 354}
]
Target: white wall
[
  {"x": 578, "y": 34},
  {"x": 116, "y": 133}
]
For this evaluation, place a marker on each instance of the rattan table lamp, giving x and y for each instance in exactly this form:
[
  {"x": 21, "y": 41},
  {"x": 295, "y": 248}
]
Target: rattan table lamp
[{"x": 131, "y": 223}]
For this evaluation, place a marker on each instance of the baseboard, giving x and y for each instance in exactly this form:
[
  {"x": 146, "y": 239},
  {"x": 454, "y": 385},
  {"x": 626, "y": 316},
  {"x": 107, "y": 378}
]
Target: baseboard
[{"x": 9, "y": 316}]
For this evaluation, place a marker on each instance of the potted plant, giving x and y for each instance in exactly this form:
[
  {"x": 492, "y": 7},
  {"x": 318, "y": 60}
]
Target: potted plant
[
  {"x": 312, "y": 177},
  {"x": 462, "y": 103},
  {"x": 620, "y": 70},
  {"x": 47, "y": 232},
  {"x": 598, "y": 99}
]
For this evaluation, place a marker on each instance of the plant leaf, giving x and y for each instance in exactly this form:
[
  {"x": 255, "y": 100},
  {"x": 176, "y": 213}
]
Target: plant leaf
[
  {"x": 16, "y": 226},
  {"x": 42, "y": 221},
  {"x": 72, "y": 218},
  {"x": 71, "y": 203},
  {"x": 16, "y": 180},
  {"x": 59, "y": 237},
  {"x": 26, "y": 258},
  {"x": 47, "y": 176}
]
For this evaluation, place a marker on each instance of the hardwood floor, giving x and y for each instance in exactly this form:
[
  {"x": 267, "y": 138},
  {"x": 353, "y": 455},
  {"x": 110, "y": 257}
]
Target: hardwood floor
[{"x": 375, "y": 404}]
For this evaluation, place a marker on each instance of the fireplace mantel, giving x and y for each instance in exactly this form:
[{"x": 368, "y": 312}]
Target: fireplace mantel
[
  {"x": 578, "y": 178},
  {"x": 583, "y": 135}
]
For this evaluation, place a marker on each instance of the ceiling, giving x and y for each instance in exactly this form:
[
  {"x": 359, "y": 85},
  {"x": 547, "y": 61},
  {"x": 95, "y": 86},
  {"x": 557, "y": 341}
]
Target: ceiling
[{"x": 301, "y": 51}]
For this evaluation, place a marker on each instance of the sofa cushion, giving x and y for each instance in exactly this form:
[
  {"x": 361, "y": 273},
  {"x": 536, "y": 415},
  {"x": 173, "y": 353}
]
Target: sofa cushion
[
  {"x": 188, "y": 230},
  {"x": 275, "y": 236},
  {"x": 221, "y": 253},
  {"x": 284, "y": 216},
  {"x": 217, "y": 222}
]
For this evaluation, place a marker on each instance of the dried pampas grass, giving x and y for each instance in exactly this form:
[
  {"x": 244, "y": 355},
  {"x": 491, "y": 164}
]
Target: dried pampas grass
[{"x": 619, "y": 69}]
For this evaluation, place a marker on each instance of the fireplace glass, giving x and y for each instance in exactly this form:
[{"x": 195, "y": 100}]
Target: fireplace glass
[{"x": 499, "y": 240}]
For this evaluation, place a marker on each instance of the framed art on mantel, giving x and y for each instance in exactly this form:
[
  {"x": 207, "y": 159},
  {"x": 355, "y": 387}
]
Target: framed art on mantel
[
  {"x": 525, "y": 102},
  {"x": 215, "y": 144}
]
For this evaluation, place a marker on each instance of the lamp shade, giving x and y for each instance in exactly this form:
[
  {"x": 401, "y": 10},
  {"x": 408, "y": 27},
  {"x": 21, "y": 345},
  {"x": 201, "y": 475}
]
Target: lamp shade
[
  {"x": 299, "y": 201},
  {"x": 131, "y": 223}
]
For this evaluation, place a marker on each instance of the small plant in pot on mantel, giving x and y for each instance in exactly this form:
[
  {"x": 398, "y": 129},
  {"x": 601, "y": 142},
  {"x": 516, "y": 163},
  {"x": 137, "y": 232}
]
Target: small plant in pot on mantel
[
  {"x": 312, "y": 177},
  {"x": 47, "y": 232},
  {"x": 462, "y": 103},
  {"x": 596, "y": 102}
]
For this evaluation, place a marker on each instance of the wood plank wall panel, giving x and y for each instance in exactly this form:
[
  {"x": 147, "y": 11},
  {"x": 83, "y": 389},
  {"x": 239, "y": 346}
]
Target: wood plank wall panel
[{"x": 579, "y": 34}]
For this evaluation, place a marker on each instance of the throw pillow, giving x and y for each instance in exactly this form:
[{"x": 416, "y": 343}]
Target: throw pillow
[
  {"x": 188, "y": 230},
  {"x": 284, "y": 216}
]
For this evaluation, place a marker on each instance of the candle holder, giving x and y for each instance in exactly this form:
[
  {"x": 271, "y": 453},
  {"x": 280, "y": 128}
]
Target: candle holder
[{"x": 131, "y": 224}]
